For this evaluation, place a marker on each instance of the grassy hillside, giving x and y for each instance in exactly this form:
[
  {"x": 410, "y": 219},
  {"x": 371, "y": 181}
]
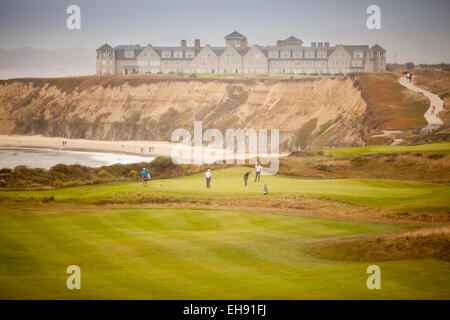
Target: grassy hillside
[
  {"x": 389, "y": 105},
  {"x": 194, "y": 254}
]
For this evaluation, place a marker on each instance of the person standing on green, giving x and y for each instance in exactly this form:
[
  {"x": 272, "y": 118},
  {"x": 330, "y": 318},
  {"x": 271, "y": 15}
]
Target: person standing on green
[
  {"x": 145, "y": 176},
  {"x": 258, "y": 169},
  {"x": 208, "y": 178},
  {"x": 246, "y": 177}
]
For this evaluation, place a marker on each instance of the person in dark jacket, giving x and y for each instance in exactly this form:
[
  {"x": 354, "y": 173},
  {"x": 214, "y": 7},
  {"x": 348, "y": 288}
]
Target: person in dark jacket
[{"x": 246, "y": 177}]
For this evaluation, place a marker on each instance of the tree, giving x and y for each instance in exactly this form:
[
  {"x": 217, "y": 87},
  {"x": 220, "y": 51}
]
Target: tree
[{"x": 410, "y": 65}]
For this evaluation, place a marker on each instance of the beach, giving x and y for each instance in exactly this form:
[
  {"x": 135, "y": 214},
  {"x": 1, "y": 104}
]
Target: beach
[{"x": 144, "y": 148}]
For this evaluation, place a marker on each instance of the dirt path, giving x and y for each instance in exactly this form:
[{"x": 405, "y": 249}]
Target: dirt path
[{"x": 430, "y": 115}]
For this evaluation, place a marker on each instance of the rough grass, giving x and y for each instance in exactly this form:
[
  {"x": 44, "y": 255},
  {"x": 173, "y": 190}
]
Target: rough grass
[
  {"x": 417, "y": 166},
  {"x": 420, "y": 244},
  {"x": 194, "y": 254}
]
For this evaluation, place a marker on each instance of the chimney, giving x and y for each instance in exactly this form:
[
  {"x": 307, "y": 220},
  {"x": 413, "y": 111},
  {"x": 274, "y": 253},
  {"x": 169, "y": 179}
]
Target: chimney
[
  {"x": 320, "y": 44},
  {"x": 313, "y": 44},
  {"x": 327, "y": 44},
  {"x": 197, "y": 43},
  {"x": 183, "y": 43}
]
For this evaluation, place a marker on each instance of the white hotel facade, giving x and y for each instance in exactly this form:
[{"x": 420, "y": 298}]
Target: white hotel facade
[{"x": 288, "y": 56}]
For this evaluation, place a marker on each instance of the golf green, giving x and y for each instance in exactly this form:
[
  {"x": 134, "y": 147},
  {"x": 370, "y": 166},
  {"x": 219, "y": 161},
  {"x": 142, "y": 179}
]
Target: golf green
[{"x": 229, "y": 183}]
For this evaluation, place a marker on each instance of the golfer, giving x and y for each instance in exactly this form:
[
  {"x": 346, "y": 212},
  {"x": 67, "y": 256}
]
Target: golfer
[
  {"x": 145, "y": 176},
  {"x": 246, "y": 177},
  {"x": 208, "y": 178},
  {"x": 258, "y": 169}
]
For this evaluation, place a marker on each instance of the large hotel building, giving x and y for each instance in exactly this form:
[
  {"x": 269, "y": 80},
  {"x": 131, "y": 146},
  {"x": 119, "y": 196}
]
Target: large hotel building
[{"x": 288, "y": 56}]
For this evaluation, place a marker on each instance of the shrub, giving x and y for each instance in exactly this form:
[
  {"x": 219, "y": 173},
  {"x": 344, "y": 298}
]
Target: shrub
[
  {"x": 323, "y": 167},
  {"x": 104, "y": 174},
  {"x": 436, "y": 156},
  {"x": 359, "y": 162},
  {"x": 161, "y": 163},
  {"x": 133, "y": 174}
]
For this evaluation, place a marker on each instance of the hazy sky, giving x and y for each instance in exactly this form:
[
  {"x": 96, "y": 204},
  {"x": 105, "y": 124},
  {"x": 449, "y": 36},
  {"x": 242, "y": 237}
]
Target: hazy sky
[{"x": 415, "y": 30}]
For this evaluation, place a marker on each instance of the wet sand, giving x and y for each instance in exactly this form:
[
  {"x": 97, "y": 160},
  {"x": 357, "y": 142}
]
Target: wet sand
[{"x": 144, "y": 148}]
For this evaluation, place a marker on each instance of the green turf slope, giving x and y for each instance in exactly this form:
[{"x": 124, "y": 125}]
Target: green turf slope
[{"x": 194, "y": 254}]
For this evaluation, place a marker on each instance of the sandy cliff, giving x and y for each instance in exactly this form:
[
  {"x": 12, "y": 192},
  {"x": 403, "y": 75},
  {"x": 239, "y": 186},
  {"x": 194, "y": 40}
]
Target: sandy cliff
[{"x": 308, "y": 112}]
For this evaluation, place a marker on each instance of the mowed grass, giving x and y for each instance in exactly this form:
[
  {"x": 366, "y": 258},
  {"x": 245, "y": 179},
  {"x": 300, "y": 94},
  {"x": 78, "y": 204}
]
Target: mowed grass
[
  {"x": 440, "y": 147},
  {"x": 228, "y": 183},
  {"x": 194, "y": 254}
]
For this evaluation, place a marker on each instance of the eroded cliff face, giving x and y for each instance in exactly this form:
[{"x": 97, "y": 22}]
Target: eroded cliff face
[{"x": 151, "y": 108}]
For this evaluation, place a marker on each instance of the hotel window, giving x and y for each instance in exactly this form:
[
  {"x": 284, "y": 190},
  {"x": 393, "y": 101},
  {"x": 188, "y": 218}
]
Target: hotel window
[
  {"x": 104, "y": 62},
  {"x": 357, "y": 54},
  {"x": 309, "y": 54}
]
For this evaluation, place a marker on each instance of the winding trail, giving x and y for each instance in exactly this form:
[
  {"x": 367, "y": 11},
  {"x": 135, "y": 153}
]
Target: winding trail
[{"x": 433, "y": 120}]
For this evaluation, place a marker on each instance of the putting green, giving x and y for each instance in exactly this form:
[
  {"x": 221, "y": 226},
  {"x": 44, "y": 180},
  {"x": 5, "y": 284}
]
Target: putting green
[
  {"x": 194, "y": 254},
  {"x": 229, "y": 183}
]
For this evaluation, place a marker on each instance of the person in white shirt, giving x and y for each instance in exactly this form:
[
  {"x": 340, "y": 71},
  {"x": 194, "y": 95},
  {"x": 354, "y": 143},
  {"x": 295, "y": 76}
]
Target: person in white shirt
[
  {"x": 258, "y": 169},
  {"x": 208, "y": 178}
]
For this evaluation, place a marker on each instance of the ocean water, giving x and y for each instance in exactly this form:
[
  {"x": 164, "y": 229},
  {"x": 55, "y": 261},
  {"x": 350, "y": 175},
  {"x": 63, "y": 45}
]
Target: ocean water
[{"x": 47, "y": 158}]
